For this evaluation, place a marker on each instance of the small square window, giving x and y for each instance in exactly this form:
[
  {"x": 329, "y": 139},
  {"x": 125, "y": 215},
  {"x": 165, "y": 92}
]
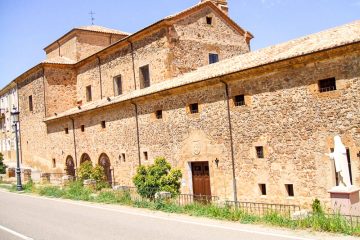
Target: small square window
[
  {"x": 209, "y": 20},
  {"x": 289, "y": 189},
  {"x": 88, "y": 93},
  {"x": 158, "y": 114},
  {"x": 66, "y": 130},
  {"x": 53, "y": 163},
  {"x": 123, "y": 157},
  {"x": 239, "y": 100},
  {"x": 103, "y": 124},
  {"x": 194, "y": 108},
  {"x": 146, "y": 157},
  {"x": 82, "y": 128},
  {"x": 213, "y": 58},
  {"x": 259, "y": 151},
  {"x": 327, "y": 85},
  {"x": 262, "y": 189}
]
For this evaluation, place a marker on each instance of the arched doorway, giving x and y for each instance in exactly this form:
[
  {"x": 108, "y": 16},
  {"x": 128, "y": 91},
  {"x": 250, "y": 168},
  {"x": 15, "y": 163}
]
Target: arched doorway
[
  {"x": 84, "y": 158},
  {"x": 70, "y": 166},
  {"x": 104, "y": 161}
]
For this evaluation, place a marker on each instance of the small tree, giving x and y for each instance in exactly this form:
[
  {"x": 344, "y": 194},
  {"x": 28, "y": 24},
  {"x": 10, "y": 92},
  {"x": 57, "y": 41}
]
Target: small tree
[
  {"x": 87, "y": 171},
  {"x": 157, "y": 177},
  {"x": 2, "y": 165}
]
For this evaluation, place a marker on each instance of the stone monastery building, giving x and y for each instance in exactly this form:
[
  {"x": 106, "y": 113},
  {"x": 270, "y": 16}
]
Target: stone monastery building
[{"x": 255, "y": 125}]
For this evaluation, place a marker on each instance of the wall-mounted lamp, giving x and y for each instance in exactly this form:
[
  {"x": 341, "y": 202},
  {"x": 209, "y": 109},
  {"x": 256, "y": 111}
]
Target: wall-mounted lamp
[{"x": 217, "y": 162}]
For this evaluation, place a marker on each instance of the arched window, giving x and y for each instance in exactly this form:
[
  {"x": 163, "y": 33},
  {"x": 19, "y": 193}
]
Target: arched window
[
  {"x": 70, "y": 166},
  {"x": 104, "y": 161},
  {"x": 84, "y": 158}
]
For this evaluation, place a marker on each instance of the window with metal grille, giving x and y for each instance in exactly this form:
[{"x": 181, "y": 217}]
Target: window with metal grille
[
  {"x": 117, "y": 85},
  {"x": 289, "y": 189},
  {"x": 262, "y": 188},
  {"x": 213, "y": 58},
  {"x": 239, "y": 100},
  {"x": 88, "y": 93},
  {"x": 31, "y": 103},
  {"x": 194, "y": 108},
  {"x": 144, "y": 76},
  {"x": 158, "y": 114},
  {"x": 259, "y": 151},
  {"x": 327, "y": 85}
]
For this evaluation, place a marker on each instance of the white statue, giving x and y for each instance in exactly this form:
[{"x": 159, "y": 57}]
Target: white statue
[{"x": 341, "y": 163}]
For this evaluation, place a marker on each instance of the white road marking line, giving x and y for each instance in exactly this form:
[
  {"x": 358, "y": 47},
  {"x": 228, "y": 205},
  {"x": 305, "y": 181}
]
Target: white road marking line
[
  {"x": 15, "y": 233},
  {"x": 69, "y": 201}
]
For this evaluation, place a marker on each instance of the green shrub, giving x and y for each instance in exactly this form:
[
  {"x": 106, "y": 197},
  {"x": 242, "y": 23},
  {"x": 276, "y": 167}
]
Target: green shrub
[
  {"x": 29, "y": 186},
  {"x": 2, "y": 165},
  {"x": 51, "y": 191},
  {"x": 316, "y": 207},
  {"x": 157, "y": 177},
  {"x": 76, "y": 191},
  {"x": 87, "y": 171}
]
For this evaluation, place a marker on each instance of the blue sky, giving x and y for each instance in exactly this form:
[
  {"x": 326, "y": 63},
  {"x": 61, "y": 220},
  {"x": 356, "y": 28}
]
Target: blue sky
[{"x": 28, "y": 26}]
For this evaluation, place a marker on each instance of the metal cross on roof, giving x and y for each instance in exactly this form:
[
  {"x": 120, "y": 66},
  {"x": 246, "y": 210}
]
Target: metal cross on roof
[{"x": 92, "y": 17}]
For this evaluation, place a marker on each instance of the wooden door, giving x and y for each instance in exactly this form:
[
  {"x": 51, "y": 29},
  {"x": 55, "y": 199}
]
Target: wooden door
[{"x": 201, "y": 178}]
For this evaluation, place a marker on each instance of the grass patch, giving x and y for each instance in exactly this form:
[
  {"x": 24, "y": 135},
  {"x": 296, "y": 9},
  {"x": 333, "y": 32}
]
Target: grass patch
[{"x": 319, "y": 221}]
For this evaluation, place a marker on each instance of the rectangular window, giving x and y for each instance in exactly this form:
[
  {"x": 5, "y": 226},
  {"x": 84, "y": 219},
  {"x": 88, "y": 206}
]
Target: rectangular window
[
  {"x": 262, "y": 189},
  {"x": 289, "y": 189},
  {"x": 158, "y": 114},
  {"x": 82, "y": 128},
  {"x": 239, "y": 100},
  {"x": 209, "y": 20},
  {"x": 327, "y": 85},
  {"x": 123, "y": 157},
  {"x": 144, "y": 76},
  {"x": 194, "y": 108},
  {"x": 53, "y": 163},
  {"x": 66, "y": 130},
  {"x": 31, "y": 103},
  {"x": 88, "y": 93},
  {"x": 146, "y": 157},
  {"x": 213, "y": 58},
  {"x": 103, "y": 124},
  {"x": 117, "y": 85},
  {"x": 259, "y": 151}
]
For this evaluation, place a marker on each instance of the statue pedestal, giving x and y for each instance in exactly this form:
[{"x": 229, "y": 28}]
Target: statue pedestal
[{"x": 346, "y": 201}]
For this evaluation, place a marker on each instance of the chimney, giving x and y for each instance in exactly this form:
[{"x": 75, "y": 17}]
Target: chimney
[{"x": 221, "y": 4}]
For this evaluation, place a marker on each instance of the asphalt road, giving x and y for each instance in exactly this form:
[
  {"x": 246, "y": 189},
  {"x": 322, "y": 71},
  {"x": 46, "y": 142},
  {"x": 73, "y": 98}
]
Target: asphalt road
[{"x": 30, "y": 217}]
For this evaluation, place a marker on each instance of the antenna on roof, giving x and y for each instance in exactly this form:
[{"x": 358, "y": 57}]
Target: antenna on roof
[{"x": 92, "y": 17}]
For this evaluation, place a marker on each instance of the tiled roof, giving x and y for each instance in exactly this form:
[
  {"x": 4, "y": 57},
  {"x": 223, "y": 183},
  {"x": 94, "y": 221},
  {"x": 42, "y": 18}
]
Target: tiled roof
[
  {"x": 328, "y": 39},
  {"x": 59, "y": 60},
  {"x": 95, "y": 28}
]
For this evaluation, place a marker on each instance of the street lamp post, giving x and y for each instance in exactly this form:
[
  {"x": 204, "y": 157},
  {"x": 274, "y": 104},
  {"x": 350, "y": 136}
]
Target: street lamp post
[{"x": 15, "y": 118}]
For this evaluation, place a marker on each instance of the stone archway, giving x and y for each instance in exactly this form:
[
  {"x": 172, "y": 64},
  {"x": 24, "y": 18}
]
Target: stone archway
[
  {"x": 85, "y": 158},
  {"x": 70, "y": 166},
  {"x": 104, "y": 161}
]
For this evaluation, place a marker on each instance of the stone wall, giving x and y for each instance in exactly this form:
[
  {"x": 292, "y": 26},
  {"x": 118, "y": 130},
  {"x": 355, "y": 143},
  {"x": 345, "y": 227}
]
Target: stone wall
[{"x": 60, "y": 89}]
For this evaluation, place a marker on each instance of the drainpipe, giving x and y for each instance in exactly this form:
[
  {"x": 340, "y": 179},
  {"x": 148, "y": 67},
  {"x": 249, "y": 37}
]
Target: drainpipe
[
  {"x": 43, "y": 78},
  {"x": 99, "y": 66},
  {"x": 231, "y": 139},
  {"x": 133, "y": 61},
  {"x": 74, "y": 139},
  {"x": 137, "y": 132}
]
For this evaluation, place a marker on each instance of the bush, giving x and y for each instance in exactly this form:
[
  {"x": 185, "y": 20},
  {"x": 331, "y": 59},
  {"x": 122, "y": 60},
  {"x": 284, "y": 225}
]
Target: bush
[
  {"x": 2, "y": 165},
  {"x": 157, "y": 177},
  {"x": 51, "y": 191},
  {"x": 76, "y": 191},
  {"x": 87, "y": 171},
  {"x": 316, "y": 207}
]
